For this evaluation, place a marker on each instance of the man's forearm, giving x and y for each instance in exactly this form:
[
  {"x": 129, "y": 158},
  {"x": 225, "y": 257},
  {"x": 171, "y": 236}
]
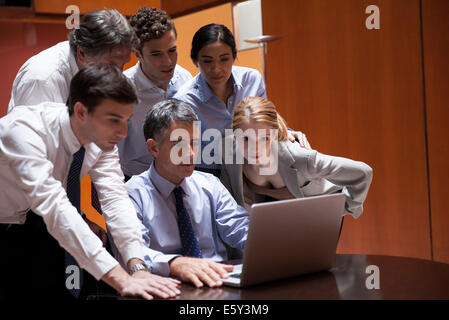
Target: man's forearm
[
  {"x": 116, "y": 278},
  {"x": 142, "y": 284}
]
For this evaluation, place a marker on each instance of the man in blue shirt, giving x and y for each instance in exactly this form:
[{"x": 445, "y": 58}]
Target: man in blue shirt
[
  {"x": 189, "y": 250},
  {"x": 156, "y": 77}
]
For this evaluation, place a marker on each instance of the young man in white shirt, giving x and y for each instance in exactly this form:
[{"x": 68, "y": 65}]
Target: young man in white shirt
[
  {"x": 103, "y": 36},
  {"x": 37, "y": 144},
  {"x": 156, "y": 77}
]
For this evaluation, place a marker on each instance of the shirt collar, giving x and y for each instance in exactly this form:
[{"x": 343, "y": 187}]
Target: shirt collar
[
  {"x": 204, "y": 91},
  {"x": 71, "y": 142},
  {"x": 144, "y": 83},
  {"x": 236, "y": 80},
  {"x": 164, "y": 186},
  {"x": 175, "y": 78},
  {"x": 72, "y": 63}
]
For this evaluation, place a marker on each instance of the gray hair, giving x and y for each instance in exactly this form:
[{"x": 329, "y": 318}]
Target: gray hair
[
  {"x": 160, "y": 117},
  {"x": 101, "y": 30}
]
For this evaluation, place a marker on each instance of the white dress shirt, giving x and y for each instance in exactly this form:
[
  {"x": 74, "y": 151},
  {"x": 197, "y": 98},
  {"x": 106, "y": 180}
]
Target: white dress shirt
[
  {"x": 36, "y": 148},
  {"x": 44, "y": 77},
  {"x": 134, "y": 155}
]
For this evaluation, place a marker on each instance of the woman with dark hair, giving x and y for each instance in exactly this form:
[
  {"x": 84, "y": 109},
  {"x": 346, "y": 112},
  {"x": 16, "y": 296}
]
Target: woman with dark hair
[
  {"x": 218, "y": 89},
  {"x": 219, "y": 86}
]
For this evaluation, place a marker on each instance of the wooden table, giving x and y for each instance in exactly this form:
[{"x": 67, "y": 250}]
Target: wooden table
[{"x": 399, "y": 278}]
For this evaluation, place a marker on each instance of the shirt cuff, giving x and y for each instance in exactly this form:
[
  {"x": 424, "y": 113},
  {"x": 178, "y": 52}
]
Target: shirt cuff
[
  {"x": 160, "y": 264},
  {"x": 101, "y": 265},
  {"x": 354, "y": 211},
  {"x": 132, "y": 251}
]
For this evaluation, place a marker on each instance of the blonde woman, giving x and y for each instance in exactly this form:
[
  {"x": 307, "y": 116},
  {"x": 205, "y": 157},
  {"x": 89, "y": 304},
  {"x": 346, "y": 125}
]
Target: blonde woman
[{"x": 275, "y": 168}]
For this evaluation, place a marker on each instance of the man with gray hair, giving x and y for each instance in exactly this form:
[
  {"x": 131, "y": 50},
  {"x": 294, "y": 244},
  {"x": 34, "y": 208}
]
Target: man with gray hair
[
  {"x": 186, "y": 216},
  {"x": 103, "y": 36}
]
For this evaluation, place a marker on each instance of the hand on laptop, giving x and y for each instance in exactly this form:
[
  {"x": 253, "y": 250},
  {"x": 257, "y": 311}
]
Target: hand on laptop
[{"x": 199, "y": 271}]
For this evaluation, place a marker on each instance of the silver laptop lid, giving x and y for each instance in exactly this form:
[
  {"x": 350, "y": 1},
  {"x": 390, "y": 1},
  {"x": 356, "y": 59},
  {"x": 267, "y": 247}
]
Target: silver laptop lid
[{"x": 292, "y": 237}]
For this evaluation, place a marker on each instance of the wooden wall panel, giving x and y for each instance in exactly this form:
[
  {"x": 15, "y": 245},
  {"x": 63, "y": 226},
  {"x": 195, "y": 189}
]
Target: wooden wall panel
[
  {"x": 127, "y": 8},
  {"x": 177, "y": 8},
  {"x": 357, "y": 93},
  {"x": 436, "y": 62}
]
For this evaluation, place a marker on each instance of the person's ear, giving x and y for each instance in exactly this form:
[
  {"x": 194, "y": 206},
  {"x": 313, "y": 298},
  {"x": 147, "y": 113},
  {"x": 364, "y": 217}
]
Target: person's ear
[
  {"x": 80, "y": 111},
  {"x": 195, "y": 62},
  {"x": 81, "y": 56},
  {"x": 153, "y": 147},
  {"x": 137, "y": 54}
]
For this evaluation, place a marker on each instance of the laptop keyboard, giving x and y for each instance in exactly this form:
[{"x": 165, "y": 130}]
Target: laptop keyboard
[{"x": 235, "y": 275}]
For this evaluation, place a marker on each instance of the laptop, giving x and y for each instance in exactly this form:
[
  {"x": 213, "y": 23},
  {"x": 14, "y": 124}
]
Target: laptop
[{"x": 289, "y": 238}]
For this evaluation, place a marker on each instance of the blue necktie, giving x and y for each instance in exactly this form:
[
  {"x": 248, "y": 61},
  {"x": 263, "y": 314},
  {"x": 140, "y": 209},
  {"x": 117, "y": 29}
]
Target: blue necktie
[
  {"x": 190, "y": 246},
  {"x": 74, "y": 195}
]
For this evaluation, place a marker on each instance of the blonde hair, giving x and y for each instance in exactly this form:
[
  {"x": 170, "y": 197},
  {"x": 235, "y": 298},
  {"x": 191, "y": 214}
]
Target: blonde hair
[{"x": 260, "y": 110}]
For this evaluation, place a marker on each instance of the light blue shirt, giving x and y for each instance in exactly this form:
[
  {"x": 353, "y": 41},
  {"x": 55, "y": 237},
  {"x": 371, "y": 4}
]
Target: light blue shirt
[
  {"x": 214, "y": 113},
  {"x": 134, "y": 155},
  {"x": 215, "y": 217}
]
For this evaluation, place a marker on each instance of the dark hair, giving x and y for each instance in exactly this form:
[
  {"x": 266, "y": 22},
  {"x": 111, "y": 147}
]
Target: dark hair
[
  {"x": 209, "y": 34},
  {"x": 149, "y": 24},
  {"x": 160, "y": 117},
  {"x": 96, "y": 82},
  {"x": 101, "y": 30}
]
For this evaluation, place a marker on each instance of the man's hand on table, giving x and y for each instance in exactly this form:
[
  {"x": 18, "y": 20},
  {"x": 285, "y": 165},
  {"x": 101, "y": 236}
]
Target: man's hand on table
[
  {"x": 163, "y": 287},
  {"x": 142, "y": 284},
  {"x": 199, "y": 271}
]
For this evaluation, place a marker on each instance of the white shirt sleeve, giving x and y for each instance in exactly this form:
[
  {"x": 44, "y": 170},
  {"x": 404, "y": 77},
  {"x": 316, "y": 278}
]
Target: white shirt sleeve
[
  {"x": 34, "y": 91},
  {"x": 27, "y": 159}
]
